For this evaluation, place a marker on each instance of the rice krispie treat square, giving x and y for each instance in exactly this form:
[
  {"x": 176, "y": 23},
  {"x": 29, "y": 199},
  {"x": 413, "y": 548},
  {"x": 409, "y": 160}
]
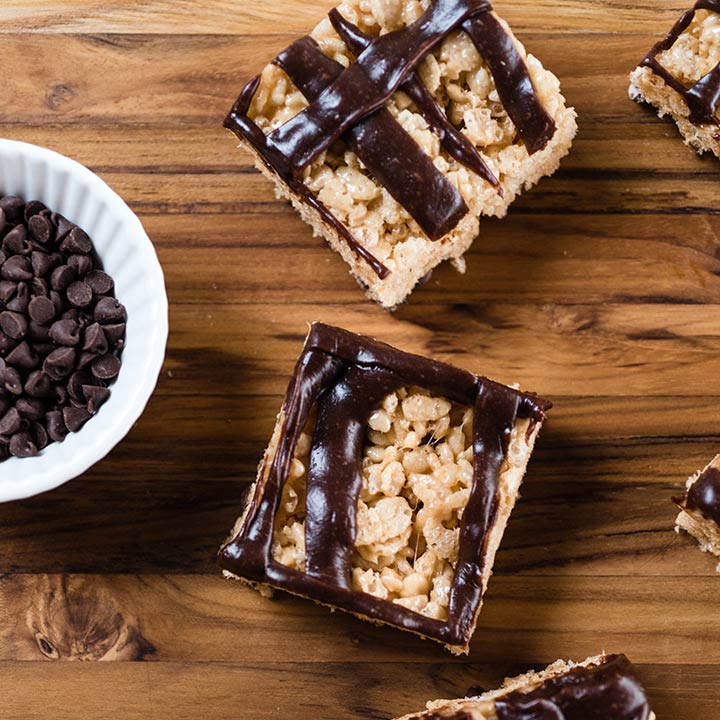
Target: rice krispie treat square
[
  {"x": 680, "y": 76},
  {"x": 700, "y": 508},
  {"x": 386, "y": 487},
  {"x": 396, "y": 124},
  {"x": 600, "y": 688}
]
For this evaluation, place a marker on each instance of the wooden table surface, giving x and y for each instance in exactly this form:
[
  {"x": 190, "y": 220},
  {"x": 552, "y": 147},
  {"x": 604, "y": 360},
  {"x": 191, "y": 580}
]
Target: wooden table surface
[{"x": 600, "y": 289}]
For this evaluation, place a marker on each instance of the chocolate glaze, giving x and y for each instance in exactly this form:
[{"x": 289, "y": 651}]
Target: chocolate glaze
[
  {"x": 454, "y": 142},
  {"x": 608, "y": 691},
  {"x": 512, "y": 80},
  {"x": 348, "y": 102},
  {"x": 703, "y": 97},
  {"x": 367, "y": 83},
  {"x": 390, "y": 154},
  {"x": 704, "y": 495},
  {"x": 239, "y": 122},
  {"x": 347, "y": 376}
]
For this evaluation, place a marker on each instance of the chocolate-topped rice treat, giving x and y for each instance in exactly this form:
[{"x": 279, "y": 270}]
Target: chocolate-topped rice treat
[
  {"x": 700, "y": 508},
  {"x": 62, "y": 331},
  {"x": 396, "y": 124},
  {"x": 386, "y": 487},
  {"x": 600, "y": 688},
  {"x": 680, "y": 76}
]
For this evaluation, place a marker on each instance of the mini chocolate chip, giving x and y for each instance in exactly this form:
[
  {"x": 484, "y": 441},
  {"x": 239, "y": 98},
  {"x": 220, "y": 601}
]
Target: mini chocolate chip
[
  {"x": 109, "y": 310},
  {"x": 57, "y": 301},
  {"x": 34, "y": 207},
  {"x": 79, "y": 294},
  {"x": 13, "y": 324},
  {"x": 82, "y": 264},
  {"x": 61, "y": 277},
  {"x": 16, "y": 268},
  {"x": 100, "y": 282},
  {"x": 61, "y": 394},
  {"x": 114, "y": 333},
  {"x": 59, "y": 363},
  {"x": 64, "y": 226},
  {"x": 40, "y": 229},
  {"x": 95, "y": 340},
  {"x": 39, "y": 434},
  {"x": 6, "y": 343},
  {"x": 16, "y": 242},
  {"x": 75, "y": 418},
  {"x": 38, "y": 384},
  {"x": 72, "y": 314},
  {"x": 77, "y": 241},
  {"x": 30, "y": 408},
  {"x": 42, "y": 263},
  {"x": 75, "y": 385},
  {"x": 22, "y": 445},
  {"x": 85, "y": 359},
  {"x": 105, "y": 367},
  {"x": 11, "y": 380},
  {"x": 64, "y": 332},
  {"x": 21, "y": 300},
  {"x": 55, "y": 425},
  {"x": 7, "y": 290},
  {"x": 11, "y": 422},
  {"x": 13, "y": 207},
  {"x": 23, "y": 357},
  {"x": 39, "y": 287},
  {"x": 41, "y": 310},
  {"x": 96, "y": 396}
]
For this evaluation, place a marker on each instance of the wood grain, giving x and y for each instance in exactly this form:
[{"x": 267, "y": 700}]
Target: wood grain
[{"x": 601, "y": 289}]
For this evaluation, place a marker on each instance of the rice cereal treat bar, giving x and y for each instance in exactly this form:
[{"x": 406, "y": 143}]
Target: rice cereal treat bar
[
  {"x": 600, "y": 688},
  {"x": 396, "y": 124},
  {"x": 386, "y": 486},
  {"x": 700, "y": 508},
  {"x": 680, "y": 76}
]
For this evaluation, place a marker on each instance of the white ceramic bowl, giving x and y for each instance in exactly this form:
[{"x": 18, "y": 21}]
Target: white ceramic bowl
[{"x": 128, "y": 256}]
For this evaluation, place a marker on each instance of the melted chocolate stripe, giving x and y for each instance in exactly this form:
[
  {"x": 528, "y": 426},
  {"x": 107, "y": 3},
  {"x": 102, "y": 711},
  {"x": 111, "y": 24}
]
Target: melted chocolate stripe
[
  {"x": 704, "y": 495},
  {"x": 454, "y": 142},
  {"x": 347, "y": 376},
  {"x": 389, "y": 153},
  {"x": 239, "y": 122},
  {"x": 368, "y": 83},
  {"x": 251, "y": 548},
  {"x": 334, "y": 476},
  {"x": 512, "y": 80},
  {"x": 493, "y": 419},
  {"x": 703, "y": 97},
  {"x": 609, "y": 691}
]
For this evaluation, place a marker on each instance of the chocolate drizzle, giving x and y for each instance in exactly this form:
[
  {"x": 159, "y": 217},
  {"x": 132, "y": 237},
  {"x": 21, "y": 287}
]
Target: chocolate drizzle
[
  {"x": 348, "y": 376},
  {"x": 389, "y": 153},
  {"x": 348, "y": 103},
  {"x": 455, "y": 143},
  {"x": 704, "y": 495},
  {"x": 703, "y": 97},
  {"x": 607, "y": 691}
]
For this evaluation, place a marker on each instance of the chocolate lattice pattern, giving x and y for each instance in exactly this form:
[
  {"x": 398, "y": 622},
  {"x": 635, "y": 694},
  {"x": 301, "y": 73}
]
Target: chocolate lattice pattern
[{"x": 348, "y": 103}]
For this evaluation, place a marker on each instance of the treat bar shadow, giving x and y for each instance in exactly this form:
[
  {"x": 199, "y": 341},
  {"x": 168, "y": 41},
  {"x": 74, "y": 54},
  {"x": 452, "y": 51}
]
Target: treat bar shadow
[
  {"x": 600, "y": 688},
  {"x": 358, "y": 516},
  {"x": 700, "y": 508},
  {"x": 350, "y": 132},
  {"x": 680, "y": 76}
]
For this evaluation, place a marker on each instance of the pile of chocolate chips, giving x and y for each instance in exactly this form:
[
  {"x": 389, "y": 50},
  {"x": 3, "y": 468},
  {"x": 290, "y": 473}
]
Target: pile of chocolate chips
[{"x": 61, "y": 329}]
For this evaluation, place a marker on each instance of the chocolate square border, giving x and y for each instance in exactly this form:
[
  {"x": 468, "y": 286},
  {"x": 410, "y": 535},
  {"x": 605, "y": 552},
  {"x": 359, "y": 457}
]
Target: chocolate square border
[{"x": 349, "y": 375}]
